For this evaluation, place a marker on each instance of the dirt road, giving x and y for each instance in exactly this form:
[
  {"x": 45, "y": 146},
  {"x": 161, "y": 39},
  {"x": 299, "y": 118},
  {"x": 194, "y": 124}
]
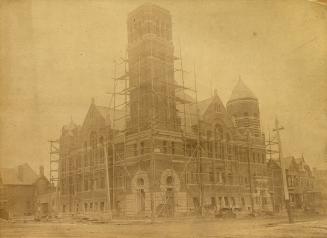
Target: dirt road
[{"x": 195, "y": 228}]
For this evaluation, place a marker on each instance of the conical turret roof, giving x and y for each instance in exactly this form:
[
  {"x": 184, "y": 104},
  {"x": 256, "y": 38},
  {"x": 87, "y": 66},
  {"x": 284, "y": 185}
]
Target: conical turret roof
[{"x": 241, "y": 91}]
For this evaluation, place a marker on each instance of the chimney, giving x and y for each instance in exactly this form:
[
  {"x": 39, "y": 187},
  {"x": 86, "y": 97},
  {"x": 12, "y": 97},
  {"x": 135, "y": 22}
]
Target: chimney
[{"x": 41, "y": 171}]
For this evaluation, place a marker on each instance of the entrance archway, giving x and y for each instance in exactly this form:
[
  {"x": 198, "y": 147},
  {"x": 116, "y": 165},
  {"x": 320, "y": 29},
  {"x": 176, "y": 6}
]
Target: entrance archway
[
  {"x": 170, "y": 198},
  {"x": 140, "y": 187},
  {"x": 140, "y": 195},
  {"x": 169, "y": 185}
]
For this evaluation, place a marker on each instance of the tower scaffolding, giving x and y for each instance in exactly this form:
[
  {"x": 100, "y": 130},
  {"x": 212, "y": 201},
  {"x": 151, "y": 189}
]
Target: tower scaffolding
[
  {"x": 155, "y": 123},
  {"x": 195, "y": 155},
  {"x": 121, "y": 89},
  {"x": 54, "y": 161},
  {"x": 153, "y": 120}
]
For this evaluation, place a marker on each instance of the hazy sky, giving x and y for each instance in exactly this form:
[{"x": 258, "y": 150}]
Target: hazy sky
[{"x": 56, "y": 55}]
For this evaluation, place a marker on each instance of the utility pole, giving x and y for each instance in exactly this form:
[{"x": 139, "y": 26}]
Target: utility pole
[
  {"x": 282, "y": 165},
  {"x": 270, "y": 151}
]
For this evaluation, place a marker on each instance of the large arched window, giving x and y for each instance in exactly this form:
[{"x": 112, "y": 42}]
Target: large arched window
[
  {"x": 101, "y": 151},
  {"x": 169, "y": 180},
  {"x": 228, "y": 146},
  {"x": 93, "y": 144},
  {"x": 86, "y": 161},
  {"x": 93, "y": 140},
  {"x": 218, "y": 131}
]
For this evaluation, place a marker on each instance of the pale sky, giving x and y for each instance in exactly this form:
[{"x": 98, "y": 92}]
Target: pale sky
[{"x": 56, "y": 55}]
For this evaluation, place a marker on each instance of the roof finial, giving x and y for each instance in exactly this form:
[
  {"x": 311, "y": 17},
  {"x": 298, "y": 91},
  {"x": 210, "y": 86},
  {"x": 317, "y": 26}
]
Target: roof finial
[
  {"x": 215, "y": 92},
  {"x": 92, "y": 100}
]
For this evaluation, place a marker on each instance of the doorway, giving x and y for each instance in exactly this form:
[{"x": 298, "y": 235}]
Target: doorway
[
  {"x": 170, "y": 199},
  {"x": 140, "y": 195},
  {"x": 141, "y": 200},
  {"x": 170, "y": 202}
]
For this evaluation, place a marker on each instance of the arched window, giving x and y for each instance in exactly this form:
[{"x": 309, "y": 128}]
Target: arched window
[
  {"x": 93, "y": 144},
  {"x": 86, "y": 161},
  {"x": 217, "y": 107},
  {"x": 101, "y": 151},
  {"x": 218, "y": 131},
  {"x": 164, "y": 146},
  {"x": 140, "y": 181},
  {"x": 93, "y": 140},
  {"x": 169, "y": 180}
]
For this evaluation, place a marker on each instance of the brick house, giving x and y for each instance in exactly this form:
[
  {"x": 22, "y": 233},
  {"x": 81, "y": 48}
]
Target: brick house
[
  {"x": 20, "y": 187},
  {"x": 300, "y": 183},
  {"x": 320, "y": 184}
]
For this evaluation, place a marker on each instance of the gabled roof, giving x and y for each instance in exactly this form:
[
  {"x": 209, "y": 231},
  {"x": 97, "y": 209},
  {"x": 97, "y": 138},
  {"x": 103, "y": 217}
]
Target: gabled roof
[
  {"x": 192, "y": 112},
  {"x": 203, "y": 106},
  {"x": 241, "y": 91},
  {"x": 299, "y": 163},
  {"x": 20, "y": 175},
  {"x": 108, "y": 115}
]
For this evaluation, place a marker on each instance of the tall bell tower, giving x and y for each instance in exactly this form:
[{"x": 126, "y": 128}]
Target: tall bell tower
[{"x": 151, "y": 69}]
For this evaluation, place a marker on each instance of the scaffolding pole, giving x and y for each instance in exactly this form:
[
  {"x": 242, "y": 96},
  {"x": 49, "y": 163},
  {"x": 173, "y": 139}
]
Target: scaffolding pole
[
  {"x": 250, "y": 172},
  {"x": 109, "y": 208},
  {"x": 198, "y": 146},
  {"x": 54, "y": 168}
]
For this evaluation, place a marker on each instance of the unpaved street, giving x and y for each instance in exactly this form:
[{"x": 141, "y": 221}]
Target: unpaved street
[{"x": 252, "y": 227}]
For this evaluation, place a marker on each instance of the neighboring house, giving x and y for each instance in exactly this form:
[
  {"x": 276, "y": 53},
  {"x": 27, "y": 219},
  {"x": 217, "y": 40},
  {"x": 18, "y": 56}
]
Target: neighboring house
[
  {"x": 19, "y": 188},
  {"x": 320, "y": 185},
  {"x": 300, "y": 183}
]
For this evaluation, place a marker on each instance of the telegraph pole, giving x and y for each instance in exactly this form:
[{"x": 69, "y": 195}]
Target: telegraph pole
[{"x": 282, "y": 165}]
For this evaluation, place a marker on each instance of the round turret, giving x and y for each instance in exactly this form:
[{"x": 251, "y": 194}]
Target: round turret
[{"x": 243, "y": 106}]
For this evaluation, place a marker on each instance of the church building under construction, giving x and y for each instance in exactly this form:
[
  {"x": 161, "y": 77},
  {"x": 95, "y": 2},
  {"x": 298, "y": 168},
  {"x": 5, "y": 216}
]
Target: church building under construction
[{"x": 157, "y": 150}]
